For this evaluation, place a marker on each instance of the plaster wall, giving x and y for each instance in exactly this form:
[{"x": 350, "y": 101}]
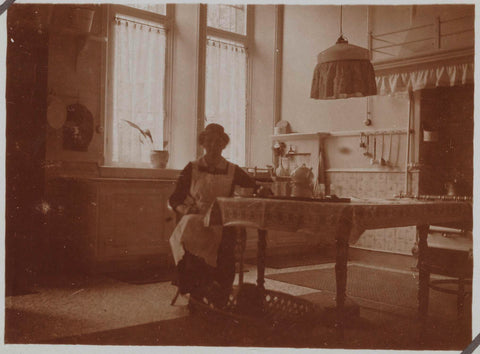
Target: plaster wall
[
  {"x": 262, "y": 98},
  {"x": 452, "y": 18},
  {"x": 75, "y": 76},
  {"x": 184, "y": 90},
  {"x": 309, "y": 30}
]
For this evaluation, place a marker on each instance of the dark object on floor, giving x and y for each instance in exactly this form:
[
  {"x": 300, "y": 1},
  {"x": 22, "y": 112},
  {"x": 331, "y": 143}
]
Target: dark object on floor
[
  {"x": 213, "y": 294},
  {"x": 295, "y": 260},
  {"x": 250, "y": 301},
  {"x": 193, "y": 272},
  {"x": 268, "y": 309},
  {"x": 144, "y": 276}
]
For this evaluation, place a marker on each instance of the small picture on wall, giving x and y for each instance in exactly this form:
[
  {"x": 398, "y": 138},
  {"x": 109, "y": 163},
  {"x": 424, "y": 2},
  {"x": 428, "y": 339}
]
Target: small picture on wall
[{"x": 78, "y": 128}]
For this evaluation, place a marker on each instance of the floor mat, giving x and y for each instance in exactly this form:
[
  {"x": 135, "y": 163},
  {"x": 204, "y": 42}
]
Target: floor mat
[
  {"x": 144, "y": 276},
  {"x": 376, "y": 285},
  {"x": 148, "y": 276},
  {"x": 289, "y": 261}
]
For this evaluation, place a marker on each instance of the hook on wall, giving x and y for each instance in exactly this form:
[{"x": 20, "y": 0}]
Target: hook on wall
[{"x": 368, "y": 120}]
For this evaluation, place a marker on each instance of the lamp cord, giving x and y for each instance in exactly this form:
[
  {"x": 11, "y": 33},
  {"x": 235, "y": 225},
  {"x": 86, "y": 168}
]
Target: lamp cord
[
  {"x": 341, "y": 21},
  {"x": 341, "y": 39}
]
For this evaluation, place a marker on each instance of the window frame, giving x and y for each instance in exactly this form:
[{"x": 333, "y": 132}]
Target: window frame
[
  {"x": 166, "y": 21},
  {"x": 245, "y": 39}
]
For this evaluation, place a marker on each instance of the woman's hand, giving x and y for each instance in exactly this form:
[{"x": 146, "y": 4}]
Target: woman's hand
[{"x": 193, "y": 210}]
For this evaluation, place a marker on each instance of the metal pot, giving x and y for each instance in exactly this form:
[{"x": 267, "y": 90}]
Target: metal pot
[{"x": 302, "y": 182}]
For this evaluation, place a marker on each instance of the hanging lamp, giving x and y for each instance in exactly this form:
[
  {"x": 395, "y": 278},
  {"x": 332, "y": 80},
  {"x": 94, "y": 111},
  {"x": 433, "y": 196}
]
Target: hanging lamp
[{"x": 342, "y": 71}]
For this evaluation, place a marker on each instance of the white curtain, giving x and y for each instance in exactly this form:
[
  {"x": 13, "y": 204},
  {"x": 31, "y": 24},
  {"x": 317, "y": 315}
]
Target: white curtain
[
  {"x": 225, "y": 96},
  {"x": 138, "y": 91}
]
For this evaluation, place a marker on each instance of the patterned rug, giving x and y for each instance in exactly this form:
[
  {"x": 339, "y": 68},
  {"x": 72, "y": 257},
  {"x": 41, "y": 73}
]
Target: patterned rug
[
  {"x": 375, "y": 285},
  {"x": 295, "y": 260},
  {"x": 145, "y": 276}
]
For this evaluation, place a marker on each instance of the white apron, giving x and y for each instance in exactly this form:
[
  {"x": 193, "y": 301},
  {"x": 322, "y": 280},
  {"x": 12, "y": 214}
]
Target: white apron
[{"x": 191, "y": 233}]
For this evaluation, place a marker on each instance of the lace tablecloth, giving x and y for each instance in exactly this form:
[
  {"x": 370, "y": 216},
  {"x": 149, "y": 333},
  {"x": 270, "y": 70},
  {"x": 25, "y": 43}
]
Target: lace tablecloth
[{"x": 324, "y": 218}]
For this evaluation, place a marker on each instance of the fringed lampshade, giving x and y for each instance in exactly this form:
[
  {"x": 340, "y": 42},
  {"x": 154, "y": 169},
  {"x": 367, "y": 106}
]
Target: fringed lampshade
[{"x": 343, "y": 70}]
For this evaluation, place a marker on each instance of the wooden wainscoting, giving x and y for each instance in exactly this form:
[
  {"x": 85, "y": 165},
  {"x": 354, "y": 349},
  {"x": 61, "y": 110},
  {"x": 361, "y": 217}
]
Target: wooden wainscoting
[{"x": 103, "y": 224}]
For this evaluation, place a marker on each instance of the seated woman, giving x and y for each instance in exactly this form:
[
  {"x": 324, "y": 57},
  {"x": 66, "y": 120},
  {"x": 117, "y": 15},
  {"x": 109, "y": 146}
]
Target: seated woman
[{"x": 205, "y": 255}]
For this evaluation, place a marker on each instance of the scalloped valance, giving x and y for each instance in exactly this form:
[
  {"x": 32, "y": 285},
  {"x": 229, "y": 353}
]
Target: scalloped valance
[
  {"x": 437, "y": 76},
  {"x": 438, "y": 69}
]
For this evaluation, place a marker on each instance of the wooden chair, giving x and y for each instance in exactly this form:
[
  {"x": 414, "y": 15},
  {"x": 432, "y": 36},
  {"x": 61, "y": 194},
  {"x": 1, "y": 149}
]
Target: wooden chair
[
  {"x": 449, "y": 254},
  {"x": 240, "y": 243}
]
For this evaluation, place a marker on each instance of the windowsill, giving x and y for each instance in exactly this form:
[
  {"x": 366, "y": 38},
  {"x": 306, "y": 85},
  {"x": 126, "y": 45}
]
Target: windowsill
[{"x": 137, "y": 172}]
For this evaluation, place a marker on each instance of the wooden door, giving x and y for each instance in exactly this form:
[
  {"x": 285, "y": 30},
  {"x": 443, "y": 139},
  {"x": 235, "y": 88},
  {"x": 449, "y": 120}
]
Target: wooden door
[{"x": 26, "y": 97}]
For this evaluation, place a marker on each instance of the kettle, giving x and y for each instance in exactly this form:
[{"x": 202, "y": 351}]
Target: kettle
[{"x": 302, "y": 182}]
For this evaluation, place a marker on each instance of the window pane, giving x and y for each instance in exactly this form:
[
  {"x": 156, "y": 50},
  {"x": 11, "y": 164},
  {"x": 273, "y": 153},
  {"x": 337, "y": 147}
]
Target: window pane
[
  {"x": 225, "y": 94},
  {"x": 230, "y": 18},
  {"x": 157, "y": 8},
  {"x": 138, "y": 90}
]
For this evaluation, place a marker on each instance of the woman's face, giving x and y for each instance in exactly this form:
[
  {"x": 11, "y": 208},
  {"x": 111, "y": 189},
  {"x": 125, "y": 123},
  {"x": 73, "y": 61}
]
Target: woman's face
[{"x": 213, "y": 145}]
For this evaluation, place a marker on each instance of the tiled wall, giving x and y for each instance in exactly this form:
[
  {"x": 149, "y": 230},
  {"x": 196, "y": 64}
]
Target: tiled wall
[{"x": 379, "y": 184}]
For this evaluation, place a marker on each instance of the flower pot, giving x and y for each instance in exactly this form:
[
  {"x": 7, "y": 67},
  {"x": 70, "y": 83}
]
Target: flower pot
[{"x": 159, "y": 158}]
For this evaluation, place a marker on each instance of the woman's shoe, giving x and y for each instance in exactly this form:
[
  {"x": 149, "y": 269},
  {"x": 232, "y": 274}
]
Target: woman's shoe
[{"x": 217, "y": 295}]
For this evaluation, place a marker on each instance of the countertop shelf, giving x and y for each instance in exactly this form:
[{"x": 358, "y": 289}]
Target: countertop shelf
[
  {"x": 298, "y": 136},
  {"x": 297, "y": 154}
]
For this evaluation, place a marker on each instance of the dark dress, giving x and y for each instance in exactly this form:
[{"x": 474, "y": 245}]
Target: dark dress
[{"x": 194, "y": 274}]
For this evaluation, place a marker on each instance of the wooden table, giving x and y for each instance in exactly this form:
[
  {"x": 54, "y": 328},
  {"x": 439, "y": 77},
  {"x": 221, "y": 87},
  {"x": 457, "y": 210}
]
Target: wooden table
[{"x": 343, "y": 223}]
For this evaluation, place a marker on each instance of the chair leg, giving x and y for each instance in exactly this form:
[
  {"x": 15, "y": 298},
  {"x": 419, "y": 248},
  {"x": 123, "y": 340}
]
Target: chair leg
[
  {"x": 240, "y": 273},
  {"x": 243, "y": 240},
  {"x": 174, "y": 300}
]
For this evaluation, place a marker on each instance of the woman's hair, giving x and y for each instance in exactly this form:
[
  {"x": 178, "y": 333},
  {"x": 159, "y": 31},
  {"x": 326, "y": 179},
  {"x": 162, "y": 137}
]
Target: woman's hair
[{"x": 213, "y": 129}]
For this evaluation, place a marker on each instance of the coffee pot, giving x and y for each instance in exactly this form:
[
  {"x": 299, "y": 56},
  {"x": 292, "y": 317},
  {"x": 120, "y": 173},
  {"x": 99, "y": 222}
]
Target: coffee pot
[{"x": 302, "y": 182}]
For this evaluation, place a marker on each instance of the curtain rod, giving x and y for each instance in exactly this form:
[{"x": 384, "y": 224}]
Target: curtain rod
[
  {"x": 226, "y": 43},
  {"x": 118, "y": 18}
]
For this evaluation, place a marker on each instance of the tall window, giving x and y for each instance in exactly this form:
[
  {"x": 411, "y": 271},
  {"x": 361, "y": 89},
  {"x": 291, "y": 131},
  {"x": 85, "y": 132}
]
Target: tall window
[
  {"x": 136, "y": 85},
  {"x": 226, "y": 75}
]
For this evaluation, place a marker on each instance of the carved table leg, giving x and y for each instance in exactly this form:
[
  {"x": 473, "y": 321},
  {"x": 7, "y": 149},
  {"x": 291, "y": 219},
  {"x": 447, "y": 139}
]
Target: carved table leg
[
  {"x": 342, "y": 235},
  {"x": 261, "y": 252},
  {"x": 423, "y": 274}
]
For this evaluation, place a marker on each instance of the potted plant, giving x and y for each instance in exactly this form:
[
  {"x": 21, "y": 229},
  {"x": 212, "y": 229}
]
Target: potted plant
[{"x": 158, "y": 158}]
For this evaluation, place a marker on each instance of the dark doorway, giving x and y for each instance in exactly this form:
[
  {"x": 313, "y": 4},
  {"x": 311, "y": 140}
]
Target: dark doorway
[{"x": 26, "y": 98}]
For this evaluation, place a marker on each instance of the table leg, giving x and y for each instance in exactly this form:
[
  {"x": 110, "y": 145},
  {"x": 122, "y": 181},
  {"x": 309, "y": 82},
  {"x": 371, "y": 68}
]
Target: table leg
[
  {"x": 261, "y": 252},
  {"x": 341, "y": 274},
  {"x": 423, "y": 273}
]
